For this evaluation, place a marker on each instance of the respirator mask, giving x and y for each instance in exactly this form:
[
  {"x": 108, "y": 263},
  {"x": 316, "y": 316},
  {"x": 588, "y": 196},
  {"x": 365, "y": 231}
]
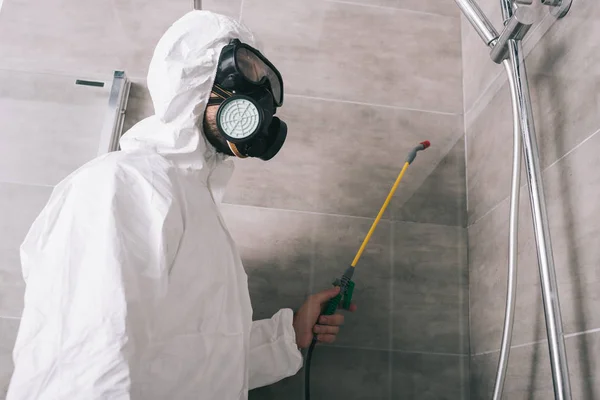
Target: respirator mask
[{"x": 248, "y": 90}]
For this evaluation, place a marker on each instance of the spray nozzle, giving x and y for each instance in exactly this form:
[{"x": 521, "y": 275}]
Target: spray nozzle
[{"x": 413, "y": 153}]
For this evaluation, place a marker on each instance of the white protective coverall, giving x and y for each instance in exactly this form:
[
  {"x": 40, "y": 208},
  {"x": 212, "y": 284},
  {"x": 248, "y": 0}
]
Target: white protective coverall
[{"x": 135, "y": 289}]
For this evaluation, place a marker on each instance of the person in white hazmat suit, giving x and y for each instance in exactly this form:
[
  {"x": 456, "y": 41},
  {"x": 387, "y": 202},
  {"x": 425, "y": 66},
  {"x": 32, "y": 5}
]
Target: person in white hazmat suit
[{"x": 134, "y": 287}]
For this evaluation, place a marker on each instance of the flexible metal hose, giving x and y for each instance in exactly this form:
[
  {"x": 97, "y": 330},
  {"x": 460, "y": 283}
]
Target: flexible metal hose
[{"x": 513, "y": 237}]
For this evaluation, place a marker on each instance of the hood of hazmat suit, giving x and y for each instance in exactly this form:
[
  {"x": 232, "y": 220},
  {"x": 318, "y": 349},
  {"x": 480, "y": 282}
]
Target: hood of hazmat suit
[{"x": 134, "y": 287}]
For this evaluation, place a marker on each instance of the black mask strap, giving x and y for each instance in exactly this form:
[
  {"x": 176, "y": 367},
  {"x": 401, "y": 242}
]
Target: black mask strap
[
  {"x": 221, "y": 94},
  {"x": 214, "y": 101}
]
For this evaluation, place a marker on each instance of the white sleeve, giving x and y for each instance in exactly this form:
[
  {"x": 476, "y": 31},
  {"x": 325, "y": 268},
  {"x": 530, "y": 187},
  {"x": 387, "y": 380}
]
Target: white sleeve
[
  {"x": 274, "y": 354},
  {"x": 95, "y": 267}
]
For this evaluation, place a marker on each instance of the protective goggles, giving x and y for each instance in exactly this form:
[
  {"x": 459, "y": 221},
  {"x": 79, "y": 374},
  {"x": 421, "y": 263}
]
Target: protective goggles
[{"x": 242, "y": 67}]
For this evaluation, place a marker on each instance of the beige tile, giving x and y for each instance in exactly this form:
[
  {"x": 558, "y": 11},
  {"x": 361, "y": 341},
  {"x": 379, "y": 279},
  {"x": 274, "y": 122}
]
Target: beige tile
[
  {"x": 564, "y": 70},
  {"x": 86, "y": 37},
  {"x": 555, "y": 64},
  {"x": 54, "y": 88},
  {"x": 571, "y": 188},
  {"x": 565, "y": 109},
  {"x": 440, "y": 7},
  {"x": 230, "y": 8},
  {"x": 529, "y": 376},
  {"x": 365, "y": 374},
  {"x": 488, "y": 264},
  {"x": 583, "y": 353},
  {"x": 362, "y": 374},
  {"x": 430, "y": 289},
  {"x": 45, "y": 149},
  {"x": 289, "y": 388},
  {"x": 478, "y": 68},
  {"x": 489, "y": 156},
  {"x": 565, "y": 113},
  {"x": 277, "y": 250},
  {"x": 343, "y": 158},
  {"x": 441, "y": 198},
  {"x": 365, "y": 54},
  {"x": 8, "y": 335},
  {"x": 429, "y": 376},
  {"x": 430, "y": 263},
  {"x": 50, "y": 126},
  {"x": 337, "y": 241},
  {"x": 294, "y": 254},
  {"x": 12, "y": 296},
  {"x": 19, "y": 206}
]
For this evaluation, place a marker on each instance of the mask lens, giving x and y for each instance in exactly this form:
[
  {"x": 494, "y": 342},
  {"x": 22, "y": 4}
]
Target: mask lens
[
  {"x": 276, "y": 86},
  {"x": 255, "y": 70},
  {"x": 248, "y": 65}
]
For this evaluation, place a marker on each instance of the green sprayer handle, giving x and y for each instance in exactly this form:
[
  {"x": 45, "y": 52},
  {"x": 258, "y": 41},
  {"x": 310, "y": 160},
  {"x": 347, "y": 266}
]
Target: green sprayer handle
[
  {"x": 332, "y": 305},
  {"x": 344, "y": 297}
]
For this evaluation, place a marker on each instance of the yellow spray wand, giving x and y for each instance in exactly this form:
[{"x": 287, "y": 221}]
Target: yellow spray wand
[
  {"x": 381, "y": 212},
  {"x": 346, "y": 284}
]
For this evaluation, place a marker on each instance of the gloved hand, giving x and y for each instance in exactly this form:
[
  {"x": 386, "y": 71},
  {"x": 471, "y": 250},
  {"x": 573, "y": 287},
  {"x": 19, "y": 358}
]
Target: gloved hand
[{"x": 305, "y": 319}]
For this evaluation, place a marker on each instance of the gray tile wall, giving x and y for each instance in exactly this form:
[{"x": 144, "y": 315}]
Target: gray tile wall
[
  {"x": 562, "y": 62},
  {"x": 361, "y": 92},
  {"x": 366, "y": 81}
]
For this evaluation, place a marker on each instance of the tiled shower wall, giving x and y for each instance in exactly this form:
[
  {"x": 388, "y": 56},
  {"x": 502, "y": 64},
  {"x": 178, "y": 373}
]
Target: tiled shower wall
[
  {"x": 563, "y": 66},
  {"x": 365, "y": 82}
]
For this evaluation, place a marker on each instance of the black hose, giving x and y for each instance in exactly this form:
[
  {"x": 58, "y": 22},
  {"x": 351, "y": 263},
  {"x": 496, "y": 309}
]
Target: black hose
[{"x": 307, "y": 368}]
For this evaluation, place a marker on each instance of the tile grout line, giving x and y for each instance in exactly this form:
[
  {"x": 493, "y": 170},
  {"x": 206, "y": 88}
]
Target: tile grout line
[
  {"x": 465, "y": 371},
  {"x": 313, "y": 259},
  {"x": 491, "y": 210},
  {"x": 466, "y": 176},
  {"x": 571, "y": 335},
  {"x": 360, "y": 103},
  {"x": 301, "y": 211},
  {"x": 27, "y": 184},
  {"x": 352, "y": 3},
  {"x": 333, "y": 214},
  {"x": 466, "y": 388},
  {"x": 484, "y": 92},
  {"x": 543, "y": 171},
  {"x": 62, "y": 74},
  {"x": 425, "y": 353},
  {"x": 518, "y": 346},
  {"x": 572, "y": 150},
  {"x": 391, "y": 313},
  {"x": 464, "y": 120},
  {"x": 142, "y": 80},
  {"x": 241, "y": 10},
  {"x": 431, "y": 353}
]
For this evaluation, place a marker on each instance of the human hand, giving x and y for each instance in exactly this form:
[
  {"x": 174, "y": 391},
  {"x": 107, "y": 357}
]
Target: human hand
[{"x": 305, "y": 319}]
